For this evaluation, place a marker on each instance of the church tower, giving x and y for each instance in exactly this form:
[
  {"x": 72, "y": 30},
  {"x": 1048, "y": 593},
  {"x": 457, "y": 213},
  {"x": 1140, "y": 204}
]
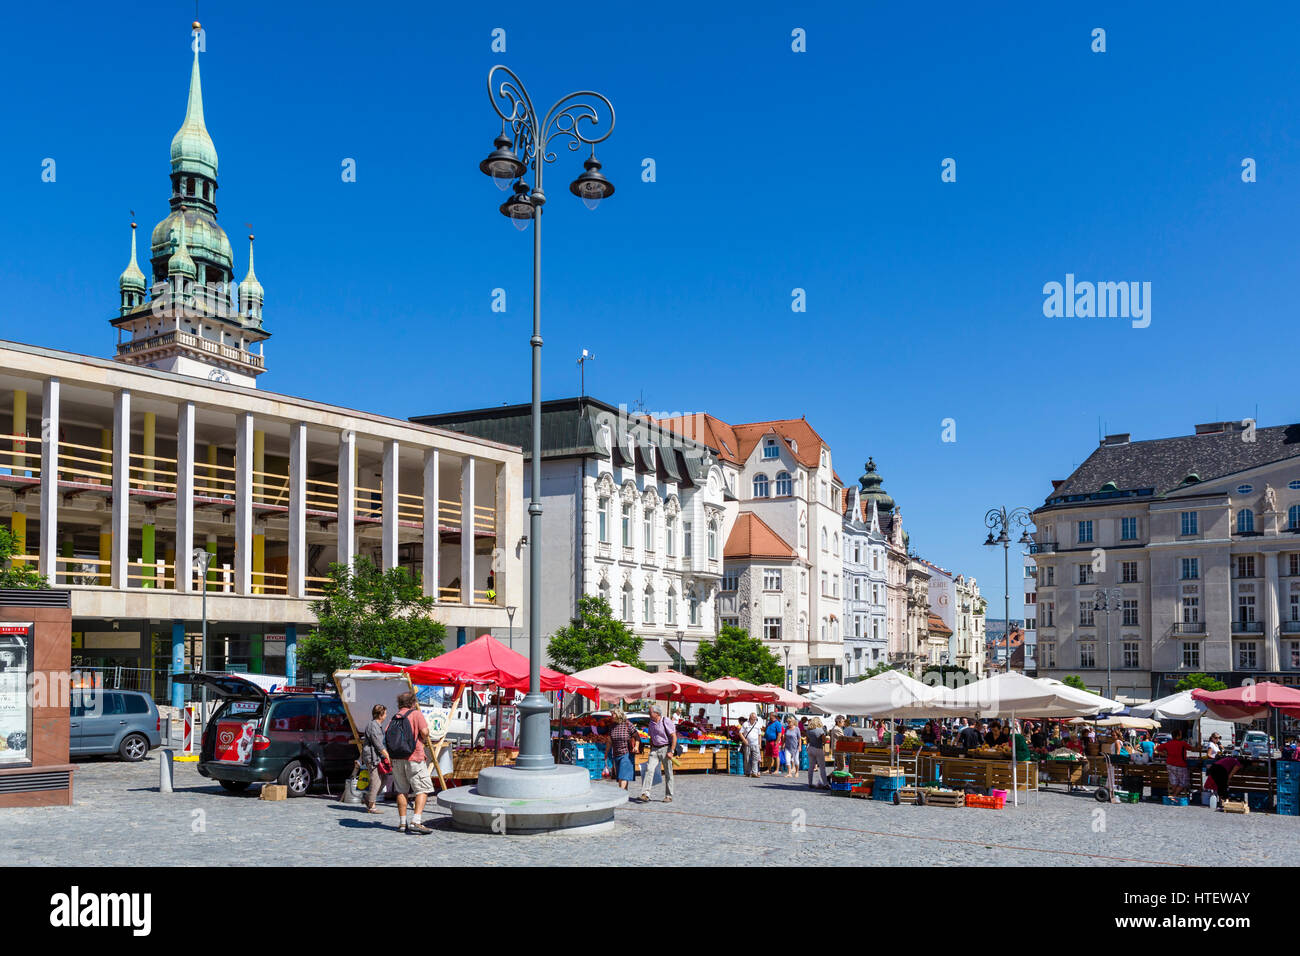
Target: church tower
[{"x": 195, "y": 320}]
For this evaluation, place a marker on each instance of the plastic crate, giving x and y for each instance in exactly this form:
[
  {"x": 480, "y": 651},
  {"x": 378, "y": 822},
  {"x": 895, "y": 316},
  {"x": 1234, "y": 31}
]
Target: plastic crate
[
  {"x": 889, "y": 783},
  {"x": 987, "y": 803},
  {"x": 1289, "y": 807},
  {"x": 1174, "y": 801},
  {"x": 1288, "y": 770},
  {"x": 1256, "y": 800},
  {"x": 1128, "y": 796},
  {"x": 736, "y": 762}
]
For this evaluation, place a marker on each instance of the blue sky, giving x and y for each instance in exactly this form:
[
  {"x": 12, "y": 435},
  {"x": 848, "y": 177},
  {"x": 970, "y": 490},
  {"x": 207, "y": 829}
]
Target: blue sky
[{"x": 775, "y": 170}]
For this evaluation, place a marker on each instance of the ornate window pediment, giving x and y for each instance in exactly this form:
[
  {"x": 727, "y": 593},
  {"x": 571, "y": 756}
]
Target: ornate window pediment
[
  {"x": 649, "y": 499},
  {"x": 605, "y": 484},
  {"x": 629, "y": 492},
  {"x": 672, "y": 506}
]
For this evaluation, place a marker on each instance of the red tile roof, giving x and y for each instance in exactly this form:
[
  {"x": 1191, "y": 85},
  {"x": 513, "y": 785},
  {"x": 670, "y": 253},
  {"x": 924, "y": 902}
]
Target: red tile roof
[
  {"x": 735, "y": 443},
  {"x": 752, "y": 537},
  {"x": 936, "y": 624}
]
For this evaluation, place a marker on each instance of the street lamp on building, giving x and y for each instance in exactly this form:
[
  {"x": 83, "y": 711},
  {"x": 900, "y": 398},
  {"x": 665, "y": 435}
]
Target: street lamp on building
[
  {"x": 1002, "y": 521},
  {"x": 1106, "y": 601},
  {"x": 525, "y": 143}
]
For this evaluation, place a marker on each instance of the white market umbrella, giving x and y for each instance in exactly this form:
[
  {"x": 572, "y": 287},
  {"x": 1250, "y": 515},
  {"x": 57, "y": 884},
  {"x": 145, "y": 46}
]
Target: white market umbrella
[
  {"x": 1180, "y": 706},
  {"x": 1084, "y": 698},
  {"x": 889, "y": 694},
  {"x": 1128, "y": 723},
  {"x": 618, "y": 681}
]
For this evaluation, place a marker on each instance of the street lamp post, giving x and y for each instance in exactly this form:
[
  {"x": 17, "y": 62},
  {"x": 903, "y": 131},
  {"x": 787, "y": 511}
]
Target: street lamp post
[
  {"x": 202, "y": 560},
  {"x": 1002, "y": 521},
  {"x": 573, "y": 117},
  {"x": 681, "y": 662},
  {"x": 789, "y": 680},
  {"x": 1107, "y": 601}
]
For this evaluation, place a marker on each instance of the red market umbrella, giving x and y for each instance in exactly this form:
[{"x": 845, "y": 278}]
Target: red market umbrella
[
  {"x": 784, "y": 697},
  {"x": 1250, "y": 701},
  {"x": 692, "y": 690},
  {"x": 732, "y": 688},
  {"x": 618, "y": 681}
]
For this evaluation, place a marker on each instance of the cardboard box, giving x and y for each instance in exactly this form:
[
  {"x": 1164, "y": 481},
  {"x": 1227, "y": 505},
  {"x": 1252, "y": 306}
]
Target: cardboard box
[{"x": 275, "y": 791}]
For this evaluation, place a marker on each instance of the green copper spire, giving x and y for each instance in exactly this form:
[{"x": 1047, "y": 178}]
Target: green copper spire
[
  {"x": 180, "y": 262},
  {"x": 250, "y": 293},
  {"x": 192, "y": 149},
  {"x": 131, "y": 279},
  {"x": 870, "y": 483}
]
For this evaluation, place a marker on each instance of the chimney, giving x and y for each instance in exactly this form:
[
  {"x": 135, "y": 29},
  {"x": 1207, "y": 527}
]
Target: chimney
[
  {"x": 1056, "y": 483},
  {"x": 1211, "y": 428},
  {"x": 1120, "y": 439}
]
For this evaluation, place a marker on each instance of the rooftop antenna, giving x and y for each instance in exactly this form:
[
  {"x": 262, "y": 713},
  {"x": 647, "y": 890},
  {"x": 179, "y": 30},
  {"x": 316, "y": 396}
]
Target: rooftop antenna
[{"x": 583, "y": 359}]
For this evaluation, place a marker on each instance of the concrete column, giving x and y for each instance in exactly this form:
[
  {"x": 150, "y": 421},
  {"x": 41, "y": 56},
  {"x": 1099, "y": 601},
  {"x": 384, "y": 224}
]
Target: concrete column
[
  {"x": 178, "y": 663},
  {"x": 184, "y": 497},
  {"x": 49, "y": 537},
  {"x": 121, "y": 486},
  {"x": 467, "y": 582},
  {"x": 244, "y": 503},
  {"x": 432, "y": 539},
  {"x": 105, "y": 553},
  {"x": 148, "y": 530},
  {"x": 259, "y": 529},
  {"x": 347, "y": 497},
  {"x": 290, "y": 653},
  {"x": 499, "y": 508},
  {"x": 388, "y": 551},
  {"x": 297, "y": 509},
  {"x": 1271, "y": 659}
]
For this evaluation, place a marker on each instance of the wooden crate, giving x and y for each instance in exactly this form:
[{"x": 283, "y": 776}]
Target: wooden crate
[
  {"x": 1064, "y": 771},
  {"x": 907, "y": 795},
  {"x": 1235, "y": 806},
  {"x": 943, "y": 798}
]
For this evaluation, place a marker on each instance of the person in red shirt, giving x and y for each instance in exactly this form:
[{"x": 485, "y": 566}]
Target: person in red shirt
[
  {"x": 1072, "y": 743},
  {"x": 1175, "y": 751}
]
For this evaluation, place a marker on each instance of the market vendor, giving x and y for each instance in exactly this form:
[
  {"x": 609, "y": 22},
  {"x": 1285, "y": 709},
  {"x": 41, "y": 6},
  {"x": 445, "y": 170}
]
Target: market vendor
[
  {"x": 701, "y": 721},
  {"x": 1218, "y": 775},
  {"x": 1175, "y": 751},
  {"x": 969, "y": 738},
  {"x": 1038, "y": 739},
  {"x": 1021, "y": 746},
  {"x": 1072, "y": 743}
]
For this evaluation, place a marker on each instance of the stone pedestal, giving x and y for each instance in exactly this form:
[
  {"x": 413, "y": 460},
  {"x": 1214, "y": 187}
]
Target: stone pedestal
[{"x": 516, "y": 802}]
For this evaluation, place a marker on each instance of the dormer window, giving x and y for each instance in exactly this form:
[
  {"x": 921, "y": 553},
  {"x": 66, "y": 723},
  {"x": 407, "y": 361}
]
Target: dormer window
[{"x": 770, "y": 449}]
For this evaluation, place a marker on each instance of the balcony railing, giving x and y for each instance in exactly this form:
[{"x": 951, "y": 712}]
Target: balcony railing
[
  {"x": 1042, "y": 547},
  {"x": 1248, "y": 627},
  {"x": 1189, "y": 627},
  {"x": 20, "y": 455},
  {"x": 1291, "y": 627}
]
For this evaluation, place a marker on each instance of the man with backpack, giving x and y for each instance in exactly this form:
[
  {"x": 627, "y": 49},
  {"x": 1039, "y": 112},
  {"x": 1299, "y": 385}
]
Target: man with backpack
[{"x": 406, "y": 738}]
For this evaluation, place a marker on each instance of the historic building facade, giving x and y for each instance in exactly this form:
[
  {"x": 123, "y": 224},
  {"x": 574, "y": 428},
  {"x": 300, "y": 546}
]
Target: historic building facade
[
  {"x": 866, "y": 575},
  {"x": 1171, "y": 556}
]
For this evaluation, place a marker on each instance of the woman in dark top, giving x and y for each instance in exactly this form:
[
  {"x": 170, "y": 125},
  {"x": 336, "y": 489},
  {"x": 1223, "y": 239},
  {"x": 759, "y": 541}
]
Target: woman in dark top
[
  {"x": 374, "y": 756},
  {"x": 624, "y": 742}
]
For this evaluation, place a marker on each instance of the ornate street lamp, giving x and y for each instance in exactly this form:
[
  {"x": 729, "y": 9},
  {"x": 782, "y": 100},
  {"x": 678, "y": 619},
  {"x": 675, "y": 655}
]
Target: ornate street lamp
[
  {"x": 1107, "y": 601},
  {"x": 1000, "y": 520},
  {"x": 576, "y": 118}
]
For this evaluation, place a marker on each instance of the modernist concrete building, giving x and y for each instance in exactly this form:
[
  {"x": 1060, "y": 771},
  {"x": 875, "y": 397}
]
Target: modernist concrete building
[
  {"x": 1196, "y": 542},
  {"x": 631, "y": 512}
]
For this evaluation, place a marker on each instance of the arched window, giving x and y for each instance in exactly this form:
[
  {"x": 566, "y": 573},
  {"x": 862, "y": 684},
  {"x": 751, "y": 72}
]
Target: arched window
[
  {"x": 694, "y": 607},
  {"x": 784, "y": 486},
  {"x": 713, "y": 541},
  {"x": 604, "y": 591},
  {"x": 835, "y": 542},
  {"x": 823, "y": 539},
  {"x": 627, "y": 603},
  {"x": 760, "y": 485},
  {"x": 823, "y": 629},
  {"x": 1293, "y": 518},
  {"x": 648, "y": 608},
  {"x": 1245, "y": 521},
  {"x": 603, "y": 515}
]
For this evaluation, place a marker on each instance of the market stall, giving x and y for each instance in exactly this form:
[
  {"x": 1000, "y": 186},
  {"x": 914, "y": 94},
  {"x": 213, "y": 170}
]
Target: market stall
[{"x": 1259, "y": 702}]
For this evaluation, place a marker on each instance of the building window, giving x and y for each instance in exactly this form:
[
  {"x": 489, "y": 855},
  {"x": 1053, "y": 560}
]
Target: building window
[
  {"x": 604, "y": 520},
  {"x": 1047, "y": 653},
  {"x": 1295, "y": 607},
  {"x": 1188, "y": 519},
  {"x": 648, "y": 531},
  {"x": 857, "y": 553},
  {"x": 731, "y": 622},
  {"x": 1130, "y": 618},
  {"x": 648, "y": 607},
  {"x": 1191, "y": 610},
  {"x": 825, "y": 585},
  {"x": 713, "y": 540},
  {"x": 670, "y": 536},
  {"x": 670, "y": 609},
  {"x": 1086, "y": 616},
  {"x": 770, "y": 449},
  {"x": 803, "y": 582},
  {"x": 1087, "y": 654},
  {"x": 875, "y": 560},
  {"x": 825, "y": 541},
  {"x": 627, "y": 605},
  {"x": 784, "y": 486},
  {"x": 1245, "y": 489},
  {"x": 1128, "y": 529},
  {"x": 771, "y": 579},
  {"x": 1293, "y": 518},
  {"x": 875, "y": 594},
  {"x": 1131, "y": 655},
  {"x": 687, "y": 540},
  {"x": 1192, "y": 654},
  {"x": 694, "y": 609},
  {"x": 1191, "y": 568},
  {"x": 1050, "y": 576},
  {"x": 772, "y": 628},
  {"x": 1048, "y": 611},
  {"x": 1294, "y": 565},
  {"x": 729, "y": 581},
  {"x": 1245, "y": 565},
  {"x": 1085, "y": 574},
  {"x": 1030, "y": 623},
  {"x": 1247, "y": 656},
  {"x": 1246, "y": 608},
  {"x": 875, "y": 630},
  {"x": 1085, "y": 532},
  {"x": 1293, "y": 650},
  {"x": 760, "y": 485},
  {"x": 857, "y": 589},
  {"x": 835, "y": 585},
  {"x": 627, "y": 526},
  {"x": 1128, "y": 572},
  {"x": 1245, "y": 521}
]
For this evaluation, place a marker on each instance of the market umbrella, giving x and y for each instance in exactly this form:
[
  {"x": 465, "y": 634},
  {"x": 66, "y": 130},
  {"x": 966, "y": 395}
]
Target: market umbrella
[
  {"x": 784, "y": 697},
  {"x": 619, "y": 681},
  {"x": 1128, "y": 723},
  {"x": 1252, "y": 702},
  {"x": 732, "y": 688},
  {"x": 889, "y": 694},
  {"x": 1071, "y": 696},
  {"x": 1180, "y": 706},
  {"x": 691, "y": 690}
]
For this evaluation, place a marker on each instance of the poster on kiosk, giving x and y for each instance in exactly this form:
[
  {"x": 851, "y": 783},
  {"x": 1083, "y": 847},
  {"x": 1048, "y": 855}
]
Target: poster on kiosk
[{"x": 15, "y": 714}]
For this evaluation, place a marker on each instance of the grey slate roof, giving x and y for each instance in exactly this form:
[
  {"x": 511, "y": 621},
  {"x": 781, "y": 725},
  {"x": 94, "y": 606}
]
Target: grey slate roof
[{"x": 1160, "y": 465}]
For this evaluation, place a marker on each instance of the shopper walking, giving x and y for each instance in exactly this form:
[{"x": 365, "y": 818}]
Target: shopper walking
[
  {"x": 405, "y": 739},
  {"x": 772, "y": 741},
  {"x": 663, "y": 741},
  {"x": 1175, "y": 751},
  {"x": 623, "y": 746},
  {"x": 751, "y": 740},
  {"x": 817, "y": 752},
  {"x": 374, "y": 757},
  {"x": 793, "y": 744},
  {"x": 836, "y": 735}
]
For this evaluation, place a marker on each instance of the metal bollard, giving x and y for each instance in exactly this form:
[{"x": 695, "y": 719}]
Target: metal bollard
[{"x": 165, "y": 772}]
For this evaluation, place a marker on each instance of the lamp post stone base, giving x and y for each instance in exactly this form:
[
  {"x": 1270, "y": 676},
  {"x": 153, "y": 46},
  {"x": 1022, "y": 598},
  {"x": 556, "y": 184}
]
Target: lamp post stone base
[{"x": 514, "y": 802}]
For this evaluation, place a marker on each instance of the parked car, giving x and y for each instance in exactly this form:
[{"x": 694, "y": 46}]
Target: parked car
[
  {"x": 122, "y": 722},
  {"x": 297, "y": 738},
  {"x": 1255, "y": 744}
]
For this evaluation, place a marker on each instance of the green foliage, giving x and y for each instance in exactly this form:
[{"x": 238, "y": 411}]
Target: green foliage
[
  {"x": 372, "y": 613},
  {"x": 23, "y": 576},
  {"x": 592, "y": 638},
  {"x": 878, "y": 669},
  {"x": 1075, "y": 681},
  {"x": 736, "y": 654},
  {"x": 1201, "y": 681}
]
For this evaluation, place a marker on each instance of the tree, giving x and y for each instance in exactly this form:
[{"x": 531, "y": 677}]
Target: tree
[
  {"x": 21, "y": 576},
  {"x": 592, "y": 638},
  {"x": 878, "y": 669},
  {"x": 371, "y": 613},
  {"x": 1075, "y": 681},
  {"x": 736, "y": 654},
  {"x": 1201, "y": 681}
]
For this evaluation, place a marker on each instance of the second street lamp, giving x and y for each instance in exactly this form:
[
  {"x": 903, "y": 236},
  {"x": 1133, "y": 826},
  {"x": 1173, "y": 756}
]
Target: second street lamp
[
  {"x": 578, "y": 118},
  {"x": 1001, "y": 520}
]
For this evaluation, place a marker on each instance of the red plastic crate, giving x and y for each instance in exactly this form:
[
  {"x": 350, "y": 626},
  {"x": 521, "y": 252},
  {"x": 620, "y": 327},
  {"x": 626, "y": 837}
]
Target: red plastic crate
[{"x": 987, "y": 803}]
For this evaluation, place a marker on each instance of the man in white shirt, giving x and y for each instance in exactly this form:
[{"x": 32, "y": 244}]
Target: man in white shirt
[{"x": 751, "y": 739}]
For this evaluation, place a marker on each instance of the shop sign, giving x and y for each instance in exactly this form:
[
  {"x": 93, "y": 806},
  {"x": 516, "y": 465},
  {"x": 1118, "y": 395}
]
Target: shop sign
[{"x": 15, "y": 713}]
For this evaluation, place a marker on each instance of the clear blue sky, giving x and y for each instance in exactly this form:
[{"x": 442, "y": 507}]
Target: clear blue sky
[{"x": 776, "y": 170}]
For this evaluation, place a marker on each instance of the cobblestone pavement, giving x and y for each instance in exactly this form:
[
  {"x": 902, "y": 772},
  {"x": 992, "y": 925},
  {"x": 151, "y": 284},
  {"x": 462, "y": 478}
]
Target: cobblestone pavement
[{"x": 120, "y": 819}]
